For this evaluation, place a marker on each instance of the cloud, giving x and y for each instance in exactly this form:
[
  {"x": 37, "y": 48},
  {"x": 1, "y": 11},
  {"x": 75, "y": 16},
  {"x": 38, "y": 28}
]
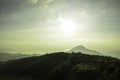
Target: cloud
[
  {"x": 11, "y": 5},
  {"x": 32, "y": 1},
  {"x": 40, "y": 3}
]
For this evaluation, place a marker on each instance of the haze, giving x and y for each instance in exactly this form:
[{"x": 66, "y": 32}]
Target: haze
[{"x": 40, "y": 26}]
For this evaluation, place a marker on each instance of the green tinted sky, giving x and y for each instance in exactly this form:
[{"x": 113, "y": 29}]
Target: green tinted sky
[{"x": 33, "y": 26}]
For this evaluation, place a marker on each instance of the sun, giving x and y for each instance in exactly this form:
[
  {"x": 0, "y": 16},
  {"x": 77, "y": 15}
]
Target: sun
[{"x": 67, "y": 26}]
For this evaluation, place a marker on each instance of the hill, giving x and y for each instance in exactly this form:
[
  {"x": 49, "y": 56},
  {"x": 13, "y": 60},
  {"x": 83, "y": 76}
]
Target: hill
[
  {"x": 10, "y": 56},
  {"x": 84, "y": 50},
  {"x": 61, "y": 66}
]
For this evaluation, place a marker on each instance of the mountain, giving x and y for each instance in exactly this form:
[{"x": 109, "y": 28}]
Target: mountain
[
  {"x": 61, "y": 66},
  {"x": 84, "y": 50},
  {"x": 9, "y": 56}
]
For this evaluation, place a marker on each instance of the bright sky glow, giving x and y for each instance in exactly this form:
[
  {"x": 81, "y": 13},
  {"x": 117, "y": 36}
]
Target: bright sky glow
[{"x": 67, "y": 26}]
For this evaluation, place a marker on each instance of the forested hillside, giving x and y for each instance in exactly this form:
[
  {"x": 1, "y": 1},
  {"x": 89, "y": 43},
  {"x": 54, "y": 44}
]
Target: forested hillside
[{"x": 61, "y": 66}]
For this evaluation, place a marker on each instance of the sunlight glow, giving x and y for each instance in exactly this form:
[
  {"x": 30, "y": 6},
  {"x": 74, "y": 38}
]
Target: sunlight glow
[{"x": 67, "y": 26}]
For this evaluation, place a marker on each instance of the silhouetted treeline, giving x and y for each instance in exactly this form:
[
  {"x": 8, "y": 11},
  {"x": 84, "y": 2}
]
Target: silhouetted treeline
[{"x": 62, "y": 66}]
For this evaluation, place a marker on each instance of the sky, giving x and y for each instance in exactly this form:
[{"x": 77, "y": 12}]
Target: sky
[{"x": 40, "y": 26}]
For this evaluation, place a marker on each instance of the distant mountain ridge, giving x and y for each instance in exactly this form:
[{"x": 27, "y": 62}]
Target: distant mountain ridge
[
  {"x": 77, "y": 49},
  {"x": 10, "y": 56},
  {"x": 84, "y": 50}
]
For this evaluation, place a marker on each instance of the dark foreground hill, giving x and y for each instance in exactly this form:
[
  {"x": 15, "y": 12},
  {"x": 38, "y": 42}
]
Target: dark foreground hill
[{"x": 61, "y": 66}]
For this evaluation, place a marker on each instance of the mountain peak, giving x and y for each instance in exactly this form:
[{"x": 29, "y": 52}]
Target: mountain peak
[
  {"x": 80, "y": 47},
  {"x": 84, "y": 50}
]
